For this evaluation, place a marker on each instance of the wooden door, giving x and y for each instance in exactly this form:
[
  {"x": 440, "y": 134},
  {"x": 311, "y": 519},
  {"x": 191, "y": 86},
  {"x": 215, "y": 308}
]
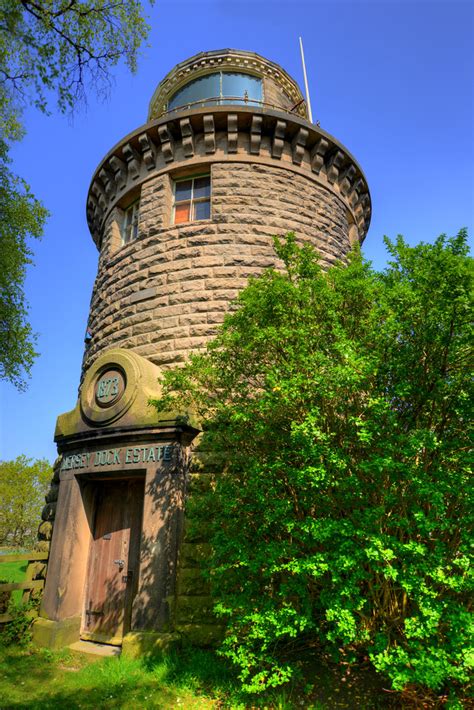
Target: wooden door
[{"x": 113, "y": 561}]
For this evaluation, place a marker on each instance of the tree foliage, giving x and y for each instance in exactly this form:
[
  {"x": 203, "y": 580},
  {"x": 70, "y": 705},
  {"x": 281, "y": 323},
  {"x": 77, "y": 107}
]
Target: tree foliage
[
  {"x": 24, "y": 483},
  {"x": 22, "y": 217},
  {"x": 51, "y": 51},
  {"x": 65, "y": 46},
  {"x": 339, "y": 403}
]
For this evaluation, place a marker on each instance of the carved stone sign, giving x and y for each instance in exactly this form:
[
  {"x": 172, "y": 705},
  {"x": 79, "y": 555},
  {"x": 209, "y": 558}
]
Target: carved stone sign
[{"x": 123, "y": 457}]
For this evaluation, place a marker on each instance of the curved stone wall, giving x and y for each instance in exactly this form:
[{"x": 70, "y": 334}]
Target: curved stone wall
[
  {"x": 185, "y": 140},
  {"x": 163, "y": 294}
]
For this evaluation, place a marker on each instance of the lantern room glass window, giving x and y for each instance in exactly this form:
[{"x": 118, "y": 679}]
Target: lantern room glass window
[
  {"x": 219, "y": 88},
  {"x": 192, "y": 199},
  {"x": 130, "y": 222}
]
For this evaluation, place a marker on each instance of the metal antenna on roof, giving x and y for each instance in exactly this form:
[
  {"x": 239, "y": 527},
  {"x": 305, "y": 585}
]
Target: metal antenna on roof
[{"x": 308, "y": 102}]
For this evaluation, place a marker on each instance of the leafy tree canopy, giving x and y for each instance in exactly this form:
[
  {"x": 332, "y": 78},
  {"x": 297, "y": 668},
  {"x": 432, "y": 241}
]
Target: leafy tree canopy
[
  {"x": 339, "y": 405},
  {"x": 23, "y": 486},
  {"x": 22, "y": 217},
  {"x": 51, "y": 51}
]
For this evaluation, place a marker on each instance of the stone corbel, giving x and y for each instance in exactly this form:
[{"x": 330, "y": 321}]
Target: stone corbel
[
  {"x": 360, "y": 220},
  {"x": 232, "y": 133},
  {"x": 359, "y": 212},
  {"x": 133, "y": 160},
  {"x": 317, "y": 155},
  {"x": 357, "y": 189},
  {"x": 334, "y": 166},
  {"x": 297, "y": 145},
  {"x": 209, "y": 134},
  {"x": 187, "y": 137},
  {"x": 278, "y": 139},
  {"x": 119, "y": 170},
  {"x": 108, "y": 182},
  {"x": 99, "y": 194},
  {"x": 167, "y": 143},
  {"x": 91, "y": 207},
  {"x": 365, "y": 201},
  {"x": 363, "y": 212},
  {"x": 346, "y": 179},
  {"x": 148, "y": 150},
  {"x": 255, "y": 135}
]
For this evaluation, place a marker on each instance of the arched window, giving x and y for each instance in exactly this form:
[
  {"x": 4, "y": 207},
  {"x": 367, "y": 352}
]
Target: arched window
[{"x": 219, "y": 88}]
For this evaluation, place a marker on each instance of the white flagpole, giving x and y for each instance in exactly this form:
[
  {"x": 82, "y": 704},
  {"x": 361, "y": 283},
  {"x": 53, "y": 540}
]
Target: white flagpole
[{"x": 308, "y": 102}]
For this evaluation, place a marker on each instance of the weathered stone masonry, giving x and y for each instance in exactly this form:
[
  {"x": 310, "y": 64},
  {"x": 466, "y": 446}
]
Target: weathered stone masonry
[
  {"x": 155, "y": 300},
  {"x": 164, "y": 294}
]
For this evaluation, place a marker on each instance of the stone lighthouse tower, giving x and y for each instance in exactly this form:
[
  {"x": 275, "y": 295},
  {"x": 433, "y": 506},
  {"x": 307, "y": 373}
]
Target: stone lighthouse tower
[{"x": 182, "y": 211}]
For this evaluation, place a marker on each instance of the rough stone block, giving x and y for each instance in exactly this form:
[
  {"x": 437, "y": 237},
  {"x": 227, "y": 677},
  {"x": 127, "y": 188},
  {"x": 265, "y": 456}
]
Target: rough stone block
[
  {"x": 206, "y": 462},
  {"x": 137, "y": 644},
  {"x": 49, "y": 511},
  {"x": 56, "y": 634},
  {"x": 196, "y": 508},
  {"x": 37, "y": 570},
  {"x": 191, "y": 582},
  {"x": 201, "y": 482},
  {"x": 201, "y": 634},
  {"x": 193, "y": 554},
  {"x": 42, "y": 546},
  {"x": 197, "y": 529},
  {"x": 45, "y": 531},
  {"x": 52, "y": 494},
  {"x": 194, "y": 610}
]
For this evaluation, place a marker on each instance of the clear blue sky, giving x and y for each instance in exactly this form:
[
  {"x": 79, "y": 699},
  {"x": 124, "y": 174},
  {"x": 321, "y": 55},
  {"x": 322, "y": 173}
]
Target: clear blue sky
[{"x": 392, "y": 80}]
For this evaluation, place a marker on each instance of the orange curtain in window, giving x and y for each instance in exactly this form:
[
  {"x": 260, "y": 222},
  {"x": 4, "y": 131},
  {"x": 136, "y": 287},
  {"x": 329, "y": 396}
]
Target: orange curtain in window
[{"x": 181, "y": 213}]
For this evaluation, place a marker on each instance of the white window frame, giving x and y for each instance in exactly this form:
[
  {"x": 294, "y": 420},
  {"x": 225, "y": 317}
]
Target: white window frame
[
  {"x": 192, "y": 201},
  {"x": 131, "y": 217}
]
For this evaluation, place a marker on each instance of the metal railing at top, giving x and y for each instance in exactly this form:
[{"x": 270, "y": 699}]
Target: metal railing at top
[
  {"x": 229, "y": 100},
  {"x": 28, "y": 585}
]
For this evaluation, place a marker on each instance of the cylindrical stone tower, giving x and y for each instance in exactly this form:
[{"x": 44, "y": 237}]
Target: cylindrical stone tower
[{"x": 183, "y": 211}]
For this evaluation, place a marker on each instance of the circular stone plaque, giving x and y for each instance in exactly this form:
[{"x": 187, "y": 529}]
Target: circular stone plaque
[{"x": 109, "y": 387}]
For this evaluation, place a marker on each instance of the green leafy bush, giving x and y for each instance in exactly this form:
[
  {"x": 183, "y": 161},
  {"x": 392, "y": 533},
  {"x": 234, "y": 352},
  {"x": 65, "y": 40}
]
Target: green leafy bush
[
  {"x": 18, "y": 630},
  {"x": 339, "y": 403}
]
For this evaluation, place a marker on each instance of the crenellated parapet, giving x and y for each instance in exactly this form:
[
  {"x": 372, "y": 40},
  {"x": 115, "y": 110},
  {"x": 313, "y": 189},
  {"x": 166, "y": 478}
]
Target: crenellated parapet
[{"x": 185, "y": 139}]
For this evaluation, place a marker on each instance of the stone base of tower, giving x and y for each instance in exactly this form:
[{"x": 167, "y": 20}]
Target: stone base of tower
[
  {"x": 56, "y": 634},
  {"x": 128, "y": 539},
  {"x": 119, "y": 516}
]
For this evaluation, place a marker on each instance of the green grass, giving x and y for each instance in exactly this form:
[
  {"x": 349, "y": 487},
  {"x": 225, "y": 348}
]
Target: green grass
[
  {"x": 13, "y": 572},
  {"x": 38, "y": 679},
  {"x": 41, "y": 680}
]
